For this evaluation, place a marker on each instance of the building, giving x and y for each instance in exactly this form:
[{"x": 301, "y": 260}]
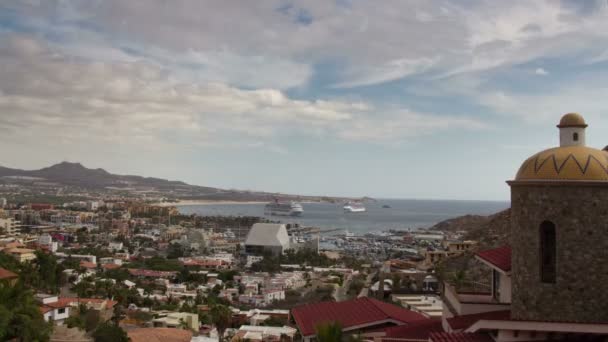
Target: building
[
  {"x": 177, "y": 320},
  {"x": 559, "y": 238},
  {"x": 430, "y": 306},
  {"x": 549, "y": 285},
  {"x": 267, "y": 238},
  {"x": 362, "y": 315},
  {"x": 261, "y": 333},
  {"x": 9, "y": 226},
  {"x": 8, "y": 277},
  {"x": 52, "y": 309},
  {"x": 21, "y": 254},
  {"x": 159, "y": 334}
]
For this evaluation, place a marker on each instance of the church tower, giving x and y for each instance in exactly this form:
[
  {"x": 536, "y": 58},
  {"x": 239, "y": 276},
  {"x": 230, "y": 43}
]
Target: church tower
[{"x": 559, "y": 231}]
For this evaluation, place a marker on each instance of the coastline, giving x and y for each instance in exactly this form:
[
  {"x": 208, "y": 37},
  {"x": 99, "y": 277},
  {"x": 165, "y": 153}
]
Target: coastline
[
  {"x": 204, "y": 202},
  {"x": 215, "y": 202}
]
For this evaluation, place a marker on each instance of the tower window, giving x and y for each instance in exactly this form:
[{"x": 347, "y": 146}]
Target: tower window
[
  {"x": 548, "y": 251},
  {"x": 575, "y": 136}
]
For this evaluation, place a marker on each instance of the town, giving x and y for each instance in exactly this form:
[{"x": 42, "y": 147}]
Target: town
[{"x": 149, "y": 269}]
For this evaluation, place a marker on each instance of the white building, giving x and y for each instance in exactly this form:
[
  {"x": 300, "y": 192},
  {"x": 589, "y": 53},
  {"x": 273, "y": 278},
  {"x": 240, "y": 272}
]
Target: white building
[
  {"x": 267, "y": 238},
  {"x": 47, "y": 240},
  {"x": 52, "y": 309},
  {"x": 115, "y": 246},
  {"x": 9, "y": 226},
  {"x": 261, "y": 333}
]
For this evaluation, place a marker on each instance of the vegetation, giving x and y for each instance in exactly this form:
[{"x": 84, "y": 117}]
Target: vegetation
[
  {"x": 329, "y": 332},
  {"x": 221, "y": 317},
  {"x": 43, "y": 274},
  {"x": 158, "y": 264},
  {"x": 20, "y": 316},
  {"x": 109, "y": 332},
  {"x": 355, "y": 286}
]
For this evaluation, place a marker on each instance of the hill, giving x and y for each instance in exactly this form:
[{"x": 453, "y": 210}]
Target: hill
[
  {"x": 490, "y": 231},
  {"x": 75, "y": 175}
]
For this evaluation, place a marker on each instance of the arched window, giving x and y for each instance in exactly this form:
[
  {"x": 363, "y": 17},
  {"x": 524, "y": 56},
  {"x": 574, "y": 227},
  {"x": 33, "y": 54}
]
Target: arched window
[
  {"x": 548, "y": 251},
  {"x": 575, "y": 136}
]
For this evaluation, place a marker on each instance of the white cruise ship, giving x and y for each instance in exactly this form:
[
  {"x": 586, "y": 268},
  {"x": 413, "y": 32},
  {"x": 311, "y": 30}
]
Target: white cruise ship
[
  {"x": 354, "y": 207},
  {"x": 277, "y": 208}
]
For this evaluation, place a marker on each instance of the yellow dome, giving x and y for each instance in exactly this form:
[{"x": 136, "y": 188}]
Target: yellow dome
[
  {"x": 576, "y": 163},
  {"x": 572, "y": 120}
]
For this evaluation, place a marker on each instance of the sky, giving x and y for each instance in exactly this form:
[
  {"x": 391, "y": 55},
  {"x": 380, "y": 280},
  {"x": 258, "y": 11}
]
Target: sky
[{"x": 429, "y": 99}]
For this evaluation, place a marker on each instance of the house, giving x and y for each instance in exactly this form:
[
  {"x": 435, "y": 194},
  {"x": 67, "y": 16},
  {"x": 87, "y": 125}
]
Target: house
[
  {"x": 8, "y": 277},
  {"x": 260, "y": 333},
  {"x": 267, "y": 238},
  {"x": 21, "y": 254},
  {"x": 178, "y": 320},
  {"x": 362, "y": 315},
  {"x": 52, "y": 309},
  {"x": 143, "y": 273}
]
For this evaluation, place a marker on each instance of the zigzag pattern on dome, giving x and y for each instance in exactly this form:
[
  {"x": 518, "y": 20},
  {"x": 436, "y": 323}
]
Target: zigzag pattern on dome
[{"x": 566, "y": 163}]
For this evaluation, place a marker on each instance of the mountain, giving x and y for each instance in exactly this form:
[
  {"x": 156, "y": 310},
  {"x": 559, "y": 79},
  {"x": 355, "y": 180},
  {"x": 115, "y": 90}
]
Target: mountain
[{"x": 77, "y": 176}]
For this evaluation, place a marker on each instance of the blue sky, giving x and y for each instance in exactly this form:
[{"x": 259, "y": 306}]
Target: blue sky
[{"x": 401, "y": 99}]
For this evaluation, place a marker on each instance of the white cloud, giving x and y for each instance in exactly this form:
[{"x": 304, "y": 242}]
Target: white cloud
[
  {"x": 541, "y": 72},
  {"x": 53, "y": 97},
  {"x": 392, "y": 70}
]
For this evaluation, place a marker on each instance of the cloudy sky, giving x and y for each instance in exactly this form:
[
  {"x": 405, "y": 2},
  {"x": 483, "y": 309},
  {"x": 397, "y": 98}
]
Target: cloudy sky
[{"x": 392, "y": 98}]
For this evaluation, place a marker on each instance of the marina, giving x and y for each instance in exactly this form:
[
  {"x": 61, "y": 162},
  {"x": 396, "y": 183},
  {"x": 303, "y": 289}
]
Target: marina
[{"x": 402, "y": 214}]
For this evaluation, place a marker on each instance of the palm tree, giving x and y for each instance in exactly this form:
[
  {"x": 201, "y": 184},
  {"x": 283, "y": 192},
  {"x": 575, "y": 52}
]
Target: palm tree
[
  {"x": 221, "y": 317},
  {"x": 329, "y": 332}
]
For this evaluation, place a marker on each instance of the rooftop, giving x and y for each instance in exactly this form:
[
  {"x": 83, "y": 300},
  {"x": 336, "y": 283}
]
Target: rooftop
[
  {"x": 498, "y": 257},
  {"x": 357, "y": 312},
  {"x": 160, "y": 335}
]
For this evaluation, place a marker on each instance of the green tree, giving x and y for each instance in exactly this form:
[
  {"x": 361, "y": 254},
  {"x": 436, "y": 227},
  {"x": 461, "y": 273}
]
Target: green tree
[
  {"x": 329, "y": 332},
  {"x": 108, "y": 332},
  {"x": 20, "y": 316},
  {"x": 221, "y": 317}
]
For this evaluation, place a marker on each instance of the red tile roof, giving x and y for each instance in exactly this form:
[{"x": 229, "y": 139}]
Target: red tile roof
[
  {"x": 362, "y": 311},
  {"x": 465, "y": 321},
  {"x": 160, "y": 335},
  {"x": 87, "y": 264},
  {"x": 6, "y": 274},
  {"x": 110, "y": 266},
  {"x": 459, "y": 337},
  {"x": 415, "y": 331},
  {"x": 499, "y": 257}
]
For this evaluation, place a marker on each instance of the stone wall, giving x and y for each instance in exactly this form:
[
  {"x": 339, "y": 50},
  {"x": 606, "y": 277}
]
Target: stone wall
[{"x": 580, "y": 214}]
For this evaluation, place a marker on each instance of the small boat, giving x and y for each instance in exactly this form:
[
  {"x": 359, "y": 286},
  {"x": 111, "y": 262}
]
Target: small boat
[{"x": 386, "y": 206}]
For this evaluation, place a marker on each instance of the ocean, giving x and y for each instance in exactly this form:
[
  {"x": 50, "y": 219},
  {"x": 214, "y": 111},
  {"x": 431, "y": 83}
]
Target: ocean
[{"x": 402, "y": 214}]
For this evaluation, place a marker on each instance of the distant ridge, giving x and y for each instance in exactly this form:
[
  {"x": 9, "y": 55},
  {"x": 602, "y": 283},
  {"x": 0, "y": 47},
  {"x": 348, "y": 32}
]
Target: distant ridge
[{"x": 79, "y": 176}]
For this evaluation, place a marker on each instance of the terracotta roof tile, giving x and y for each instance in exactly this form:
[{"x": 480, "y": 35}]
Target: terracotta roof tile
[
  {"x": 350, "y": 313},
  {"x": 110, "y": 266},
  {"x": 499, "y": 257},
  {"x": 160, "y": 335},
  {"x": 6, "y": 274}
]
